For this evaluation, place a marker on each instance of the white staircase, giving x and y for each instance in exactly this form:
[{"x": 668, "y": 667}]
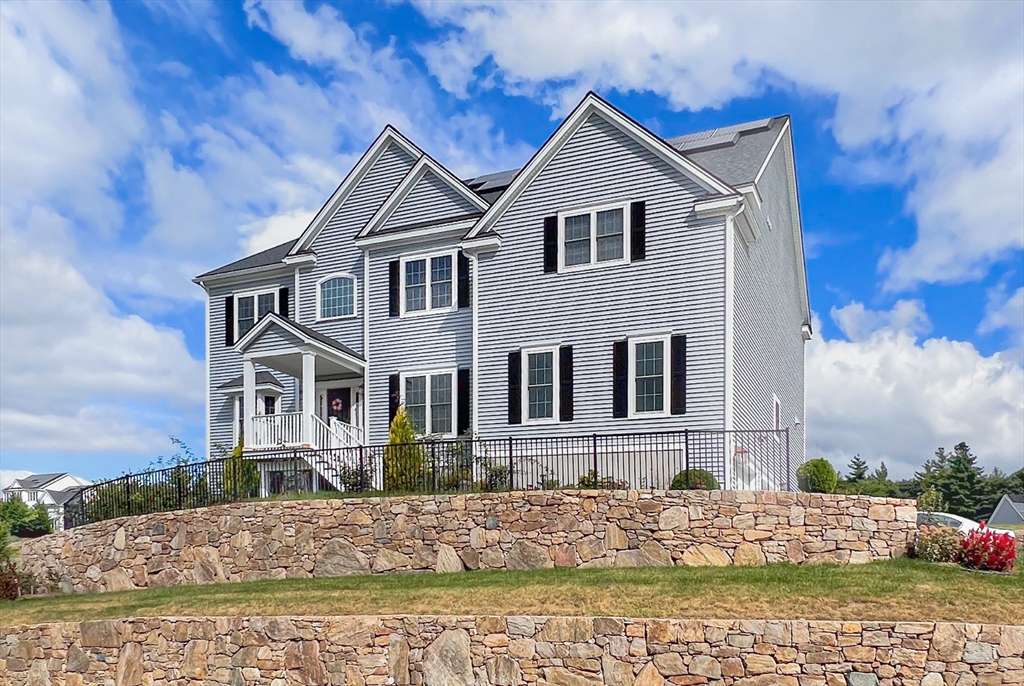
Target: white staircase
[{"x": 338, "y": 449}]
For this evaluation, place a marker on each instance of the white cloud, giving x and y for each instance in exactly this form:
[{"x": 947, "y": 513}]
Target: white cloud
[
  {"x": 7, "y": 476},
  {"x": 930, "y": 95},
  {"x": 889, "y": 397},
  {"x": 1003, "y": 311},
  {"x": 858, "y": 323}
]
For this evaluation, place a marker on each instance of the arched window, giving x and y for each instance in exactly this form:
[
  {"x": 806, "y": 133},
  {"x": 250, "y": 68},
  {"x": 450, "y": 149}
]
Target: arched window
[{"x": 337, "y": 297}]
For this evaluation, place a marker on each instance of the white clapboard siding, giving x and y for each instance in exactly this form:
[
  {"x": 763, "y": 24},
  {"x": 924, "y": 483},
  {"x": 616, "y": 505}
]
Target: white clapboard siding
[
  {"x": 678, "y": 288},
  {"x": 767, "y": 317}
]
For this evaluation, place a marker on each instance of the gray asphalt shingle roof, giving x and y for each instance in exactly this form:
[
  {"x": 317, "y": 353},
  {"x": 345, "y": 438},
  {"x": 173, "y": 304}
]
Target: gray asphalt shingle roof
[
  {"x": 262, "y": 379},
  {"x": 732, "y": 153},
  {"x": 37, "y": 480}
]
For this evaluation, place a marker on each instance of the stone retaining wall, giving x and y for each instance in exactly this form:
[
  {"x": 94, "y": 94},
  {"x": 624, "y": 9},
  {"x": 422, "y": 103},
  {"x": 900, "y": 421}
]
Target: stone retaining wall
[
  {"x": 517, "y": 530},
  {"x": 510, "y": 651}
]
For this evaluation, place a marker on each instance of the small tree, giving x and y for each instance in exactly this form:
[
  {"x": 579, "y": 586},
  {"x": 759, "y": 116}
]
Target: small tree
[
  {"x": 403, "y": 456},
  {"x": 241, "y": 477},
  {"x": 858, "y": 469},
  {"x": 930, "y": 501}
]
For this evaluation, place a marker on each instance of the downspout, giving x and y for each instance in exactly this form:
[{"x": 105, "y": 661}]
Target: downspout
[
  {"x": 366, "y": 347},
  {"x": 730, "y": 306}
]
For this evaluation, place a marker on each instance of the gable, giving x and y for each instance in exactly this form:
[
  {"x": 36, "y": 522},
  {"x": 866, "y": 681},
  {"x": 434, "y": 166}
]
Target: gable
[
  {"x": 379, "y": 182},
  {"x": 274, "y": 339},
  {"x": 431, "y": 200},
  {"x": 591, "y": 105}
]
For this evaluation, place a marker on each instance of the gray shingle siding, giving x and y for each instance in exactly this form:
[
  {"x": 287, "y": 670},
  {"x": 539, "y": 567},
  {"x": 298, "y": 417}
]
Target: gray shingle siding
[
  {"x": 431, "y": 200},
  {"x": 337, "y": 253},
  {"x": 226, "y": 364},
  {"x": 678, "y": 288},
  {"x": 408, "y": 344},
  {"x": 768, "y": 355}
]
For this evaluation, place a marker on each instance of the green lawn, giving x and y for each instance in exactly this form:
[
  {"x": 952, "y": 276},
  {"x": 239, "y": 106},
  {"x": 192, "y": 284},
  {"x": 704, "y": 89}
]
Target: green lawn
[{"x": 893, "y": 590}]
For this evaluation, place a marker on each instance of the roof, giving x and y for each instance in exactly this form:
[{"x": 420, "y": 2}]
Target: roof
[
  {"x": 1015, "y": 498},
  {"x": 37, "y": 480},
  {"x": 262, "y": 379},
  {"x": 734, "y": 154},
  {"x": 61, "y": 497},
  {"x": 275, "y": 318},
  {"x": 261, "y": 259}
]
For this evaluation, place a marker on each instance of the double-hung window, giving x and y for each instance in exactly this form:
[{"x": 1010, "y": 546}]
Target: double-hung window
[
  {"x": 429, "y": 398},
  {"x": 649, "y": 387},
  {"x": 336, "y": 295},
  {"x": 594, "y": 236},
  {"x": 251, "y": 307},
  {"x": 427, "y": 283},
  {"x": 540, "y": 372}
]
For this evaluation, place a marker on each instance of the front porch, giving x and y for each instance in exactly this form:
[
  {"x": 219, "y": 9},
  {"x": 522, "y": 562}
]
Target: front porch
[{"x": 330, "y": 410}]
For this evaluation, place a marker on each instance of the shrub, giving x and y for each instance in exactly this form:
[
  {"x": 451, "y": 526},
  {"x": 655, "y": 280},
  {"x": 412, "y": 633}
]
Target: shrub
[
  {"x": 241, "y": 477},
  {"x": 699, "y": 480},
  {"x": 930, "y": 501},
  {"x": 985, "y": 549},
  {"x": 817, "y": 476},
  {"x": 10, "y": 583},
  {"x": 938, "y": 544},
  {"x": 403, "y": 456},
  {"x": 590, "y": 480}
]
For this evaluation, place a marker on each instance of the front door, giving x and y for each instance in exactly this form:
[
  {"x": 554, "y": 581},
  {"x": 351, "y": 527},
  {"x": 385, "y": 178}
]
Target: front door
[{"x": 339, "y": 404}]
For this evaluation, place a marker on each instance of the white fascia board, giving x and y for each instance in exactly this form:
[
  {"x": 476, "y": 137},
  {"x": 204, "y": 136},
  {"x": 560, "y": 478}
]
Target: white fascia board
[
  {"x": 718, "y": 206},
  {"x": 228, "y": 278},
  {"x": 304, "y": 258},
  {"x": 389, "y": 136},
  {"x": 752, "y": 191},
  {"x": 476, "y": 246},
  {"x": 593, "y": 104},
  {"x": 424, "y": 165},
  {"x": 456, "y": 228},
  {"x": 274, "y": 319},
  {"x": 747, "y": 227},
  {"x": 771, "y": 151}
]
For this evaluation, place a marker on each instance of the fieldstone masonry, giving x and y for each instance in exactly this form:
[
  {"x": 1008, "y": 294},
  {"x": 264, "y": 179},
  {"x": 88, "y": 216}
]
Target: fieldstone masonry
[
  {"x": 509, "y": 651},
  {"x": 517, "y": 530}
]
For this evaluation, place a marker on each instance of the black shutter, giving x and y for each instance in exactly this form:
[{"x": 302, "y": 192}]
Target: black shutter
[
  {"x": 638, "y": 231},
  {"x": 620, "y": 378},
  {"x": 393, "y": 293},
  {"x": 550, "y": 244},
  {"x": 679, "y": 375},
  {"x": 565, "y": 409},
  {"x": 393, "y": 398},
  {"x": 462, "y": 418},
  {"x": 282, "y": 303},
  {"x": 515, "y": 387},
  {"x": 229, "y": 321},
  {"x": 463, "y": 286}
]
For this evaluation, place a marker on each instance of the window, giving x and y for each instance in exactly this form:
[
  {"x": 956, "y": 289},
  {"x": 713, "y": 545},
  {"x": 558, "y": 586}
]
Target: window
[
  {"x": 337, "y": 296},
  {"x": 429, "y": 398},
  {"x": 777, "y": 413},
  {"x": 427, "y": 283},
  {"x": 648, "y": 376},
  {"x": 540, "y": 402},
  {"x": 250, "y": 308},
  {"x": 269, "y": 404},
  {"x": 594, "y": 236}
]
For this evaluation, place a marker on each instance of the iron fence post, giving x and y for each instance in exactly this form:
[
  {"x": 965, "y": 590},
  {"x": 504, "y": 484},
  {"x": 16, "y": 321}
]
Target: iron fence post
[
  {"x": 593, "y": 440},
  {"x": 686, "y": 455},
  {"x": 511, "y": 466},
  {"x": 789, "y": 472}
]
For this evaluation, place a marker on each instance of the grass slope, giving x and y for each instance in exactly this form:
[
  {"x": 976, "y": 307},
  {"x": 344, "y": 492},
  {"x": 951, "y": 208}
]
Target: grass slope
[{"x": 893, "y": 590}]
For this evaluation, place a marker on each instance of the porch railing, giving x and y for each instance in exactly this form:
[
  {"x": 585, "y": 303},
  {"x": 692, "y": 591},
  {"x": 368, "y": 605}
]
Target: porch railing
[
  {"x": 277, "y": 430},
  {"x": 350, "y": 434},
  {"x": 740, "y": 460}
]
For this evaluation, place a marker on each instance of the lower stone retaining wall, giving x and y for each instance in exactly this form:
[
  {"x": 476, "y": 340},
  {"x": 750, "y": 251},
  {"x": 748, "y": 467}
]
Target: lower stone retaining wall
[
  {"x": 517, "y": 530},
  {"x": 509, "y": 651}
]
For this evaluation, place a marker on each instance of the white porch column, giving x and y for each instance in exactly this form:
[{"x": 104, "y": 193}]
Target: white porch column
[
  {"x": 308, "y": 395},
  {"x": 248, "y": 400}
]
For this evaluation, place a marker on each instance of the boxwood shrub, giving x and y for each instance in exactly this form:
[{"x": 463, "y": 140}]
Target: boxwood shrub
[
  {"x": 817, "y": 476},
  {"x": 700, "y": 480}
]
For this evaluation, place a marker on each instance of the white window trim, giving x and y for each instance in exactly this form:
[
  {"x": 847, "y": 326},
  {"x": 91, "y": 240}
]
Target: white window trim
[
  {"x": 256, "y": 303},
  {"x": 623, "y": 205},
  {"x": 454, "y": 373},
  {"x": 355, "y": 297},
  {"x": 428, "y": 283},
  {"x": 776, "y": 417},
  {"x": 525, "y": 387},
  {"x": 666, "y": 371}
]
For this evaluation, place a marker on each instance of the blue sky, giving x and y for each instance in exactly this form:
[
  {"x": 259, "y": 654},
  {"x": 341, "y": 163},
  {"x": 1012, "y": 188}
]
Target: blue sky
[{"x": 143, "y": 143}]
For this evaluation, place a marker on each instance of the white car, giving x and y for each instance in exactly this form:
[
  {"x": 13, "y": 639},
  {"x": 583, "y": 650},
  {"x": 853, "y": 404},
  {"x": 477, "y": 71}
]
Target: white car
[{"x": 961, "y": 524}]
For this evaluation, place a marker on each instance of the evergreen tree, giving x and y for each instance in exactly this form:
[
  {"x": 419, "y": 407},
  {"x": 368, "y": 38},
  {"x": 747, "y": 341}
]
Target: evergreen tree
[
  {"x": 961, "y": 482},
  {"x": 403, "y": 456},
  {"x": 881, "y": 473},
  {"x": 858, "y": 469}
]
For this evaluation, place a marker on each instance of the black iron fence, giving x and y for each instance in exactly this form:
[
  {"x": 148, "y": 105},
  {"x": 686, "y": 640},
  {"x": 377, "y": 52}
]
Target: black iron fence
[{"x": 743, "y": 460}]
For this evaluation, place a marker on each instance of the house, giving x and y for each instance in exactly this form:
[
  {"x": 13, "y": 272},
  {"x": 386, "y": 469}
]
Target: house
[
  {"x": 618, "y": 283},
  {"x": 52, "y": 490},
  {"x": 1010, "y": 510}
]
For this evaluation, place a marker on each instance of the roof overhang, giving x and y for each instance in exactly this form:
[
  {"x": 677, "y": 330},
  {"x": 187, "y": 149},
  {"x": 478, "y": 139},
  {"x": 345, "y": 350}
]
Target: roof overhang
[
  {"x": 481, "y": 244},
  {"x": 457, "y": 229},
  {"x": 594, "y": 104},
  {"x": 307, "y": 343},
  {"x": 242, "y": 275}
]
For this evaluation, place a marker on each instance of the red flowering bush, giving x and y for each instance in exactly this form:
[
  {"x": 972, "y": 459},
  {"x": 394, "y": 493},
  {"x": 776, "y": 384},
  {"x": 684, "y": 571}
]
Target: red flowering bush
[{"x": 985, "y": 549}]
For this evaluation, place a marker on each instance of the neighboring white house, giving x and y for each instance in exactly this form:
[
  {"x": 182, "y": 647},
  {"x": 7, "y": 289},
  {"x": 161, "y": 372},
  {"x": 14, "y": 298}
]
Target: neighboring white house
[
  {"x": 52, "y": 490},
  {"x": 1010, "y": 510},
  {"x": 621, "y": 282}
]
